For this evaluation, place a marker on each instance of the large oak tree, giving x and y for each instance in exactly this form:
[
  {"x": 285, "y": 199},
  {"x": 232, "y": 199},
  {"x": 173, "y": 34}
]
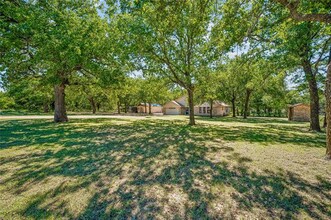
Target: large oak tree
[
  {"x": 53, "y": 40},
  {"x": 318, "y": 12},
  {"x": 174, "y": 36}
]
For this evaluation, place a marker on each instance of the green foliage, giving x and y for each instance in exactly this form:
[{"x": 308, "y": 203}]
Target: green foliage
[
  {"x": 153, "y": 89},
  {"x": 6, "y": 102},
  {"x": 91, "y": 46},
  {"x": 30, "y": 93},
  {"x": 173, "y": 38},
  {"x": 53, "y": 39}
]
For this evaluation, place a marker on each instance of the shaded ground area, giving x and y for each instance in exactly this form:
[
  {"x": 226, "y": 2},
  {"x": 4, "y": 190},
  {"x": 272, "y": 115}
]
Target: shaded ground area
[
  {"x": 21, "y": 117},
  {"x": 163, "y": 169}
]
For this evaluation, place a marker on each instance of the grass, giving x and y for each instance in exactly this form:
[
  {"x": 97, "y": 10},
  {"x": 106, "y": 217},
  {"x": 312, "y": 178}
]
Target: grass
[
  {"x": 21, "y": 112},
  {"x": 27, "y": 112},
  {"x": 163, "y": 169}
]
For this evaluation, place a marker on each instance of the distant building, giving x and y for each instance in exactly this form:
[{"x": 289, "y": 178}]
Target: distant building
[
  {"x": 180, "y": 107},
  {"x": 176, "y": 107},
  {"x": 219, "y": 109},
  {"x": 299, "y": 112},
  {"x": 155, "y": 108}
]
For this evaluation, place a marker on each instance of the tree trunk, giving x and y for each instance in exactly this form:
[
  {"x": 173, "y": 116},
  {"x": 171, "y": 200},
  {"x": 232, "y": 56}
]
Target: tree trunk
[
  {"x": 60, "y": 113},
  {"x": 119, "y": 107},
  {"x": 211, "y": 109},
  {"x": 46, "y": 107},
  {"x": 125, "y": 107},
  {"x": 248, "y": 94},
  {"x": 98, "y": 106},
  {"x": 314, "y": 98},
  {"x": 328, "y": 109},
  {"x": 145, "y": 107},
  {"x": 233, "y": 101},
  {"x": 93, "y": 105},
  {"x": 150, "y": 108},
  {"x": 53, "y": 105},
  {"x": 191, "y": 106},
  {"x": 76, "y": 106}
]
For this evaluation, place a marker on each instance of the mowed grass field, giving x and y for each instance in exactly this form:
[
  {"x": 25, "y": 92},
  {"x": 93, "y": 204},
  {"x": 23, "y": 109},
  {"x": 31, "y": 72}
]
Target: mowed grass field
[{"x": 126, "y": 168}]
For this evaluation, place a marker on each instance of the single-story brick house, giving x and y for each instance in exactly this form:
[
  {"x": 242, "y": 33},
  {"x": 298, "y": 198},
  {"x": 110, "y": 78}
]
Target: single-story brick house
[
  {"x": 155, "y": 108},
  {"x": 176, "y": 107},
  {"x": 219, "y": 109},
  {"x": 180, "y": 107},
  {"x": 299, "y": 112}
]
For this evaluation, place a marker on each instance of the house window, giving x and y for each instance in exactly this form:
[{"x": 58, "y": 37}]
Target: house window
[
  {"x": 204, "y": 110},
  {"x": 208, "y": 110},
  {"x": 200, "y": 109}
]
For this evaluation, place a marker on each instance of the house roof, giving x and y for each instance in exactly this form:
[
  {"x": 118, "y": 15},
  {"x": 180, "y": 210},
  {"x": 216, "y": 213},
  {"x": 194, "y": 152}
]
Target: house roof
[
  {"x": 147, "y": 104},
  {"x": 177, "y": 103},
  {"x": 181, "y": 101},
  {"x": 298, "y": 104},
  {"x": 215, "y": 104},
  {"x": 219, "y": 103}
]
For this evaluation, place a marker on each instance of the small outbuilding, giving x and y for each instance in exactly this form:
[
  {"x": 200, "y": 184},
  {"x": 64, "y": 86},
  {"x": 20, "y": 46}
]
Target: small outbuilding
[{"x": 299, "y": 112}]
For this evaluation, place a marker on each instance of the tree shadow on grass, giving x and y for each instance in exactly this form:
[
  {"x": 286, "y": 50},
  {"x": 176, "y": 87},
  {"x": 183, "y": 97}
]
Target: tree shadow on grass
[
  {"x": 252, "y": 120},
  {"x": 155, "y": 169},
  {"x": 265, "y": 133}
]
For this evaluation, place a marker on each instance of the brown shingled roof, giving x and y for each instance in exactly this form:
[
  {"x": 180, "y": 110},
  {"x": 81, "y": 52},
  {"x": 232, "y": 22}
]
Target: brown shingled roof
[{"x": 298, "y": 104}]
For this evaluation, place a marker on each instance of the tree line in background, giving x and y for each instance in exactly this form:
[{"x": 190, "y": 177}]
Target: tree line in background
[
  {"x": 83, "y": 54},
  {"x": 268, "y": 100}
]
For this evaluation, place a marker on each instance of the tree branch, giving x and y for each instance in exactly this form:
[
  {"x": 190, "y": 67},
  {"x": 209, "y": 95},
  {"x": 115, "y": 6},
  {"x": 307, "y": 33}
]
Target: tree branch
[
  {"x": 293, "y": 6},
  {"x": 320, "y": 57}
]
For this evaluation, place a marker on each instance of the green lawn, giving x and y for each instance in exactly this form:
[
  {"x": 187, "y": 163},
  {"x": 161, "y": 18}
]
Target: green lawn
[
  {"x": 20, "y": 112},
  {"x": 163, "y": 169}
]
